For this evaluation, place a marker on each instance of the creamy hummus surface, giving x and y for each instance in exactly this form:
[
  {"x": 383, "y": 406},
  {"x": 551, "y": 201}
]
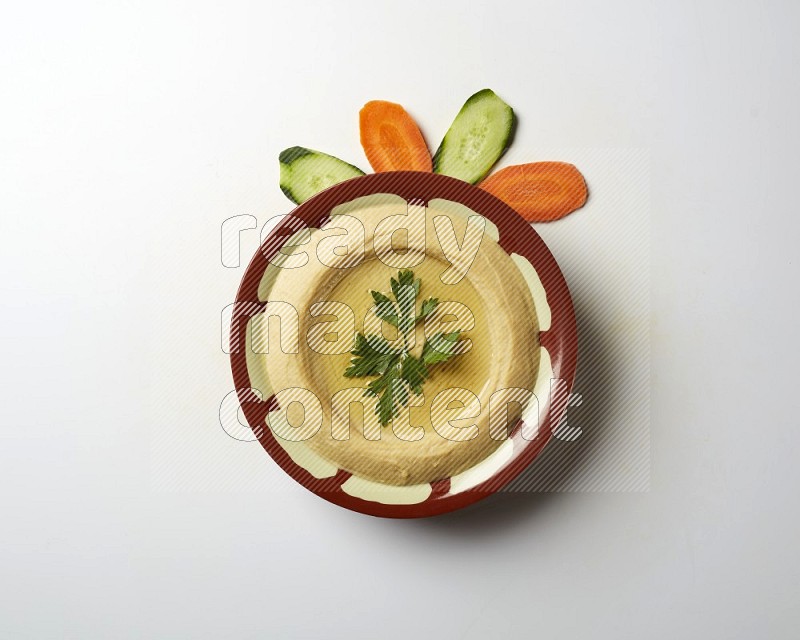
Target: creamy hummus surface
[{"x": 338, "y": 264}]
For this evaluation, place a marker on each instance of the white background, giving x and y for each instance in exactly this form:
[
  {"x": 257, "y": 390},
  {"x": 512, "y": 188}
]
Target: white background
[{"x": 129, "y": 131}]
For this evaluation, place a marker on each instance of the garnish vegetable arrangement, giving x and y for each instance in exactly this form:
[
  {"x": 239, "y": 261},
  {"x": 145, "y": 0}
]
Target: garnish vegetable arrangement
[{"x": 478, "y": 137}]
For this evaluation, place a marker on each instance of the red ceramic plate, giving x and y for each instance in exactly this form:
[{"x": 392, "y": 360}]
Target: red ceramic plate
[{"x": 558, "y": 340}]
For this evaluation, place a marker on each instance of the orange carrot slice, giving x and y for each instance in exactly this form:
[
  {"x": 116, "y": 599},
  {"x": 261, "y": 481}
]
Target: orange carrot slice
[
  {"x": 391, "y": 139},
  {"x": 539, "y": 191}
]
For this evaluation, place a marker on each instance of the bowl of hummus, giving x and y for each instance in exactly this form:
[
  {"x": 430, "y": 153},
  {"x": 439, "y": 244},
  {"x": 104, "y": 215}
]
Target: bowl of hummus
[{"x": 403, "y": 344}]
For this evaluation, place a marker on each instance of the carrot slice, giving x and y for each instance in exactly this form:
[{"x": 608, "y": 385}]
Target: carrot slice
[
  {"x": 391, "y": 139},
  {"x": 539, "y": 191}
]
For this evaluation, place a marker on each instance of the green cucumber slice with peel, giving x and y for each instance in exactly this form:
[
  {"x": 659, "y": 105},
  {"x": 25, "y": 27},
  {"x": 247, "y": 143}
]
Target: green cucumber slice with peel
[
  {"x": 305, "y": 172},
  {"x": 479, "y": 135}
]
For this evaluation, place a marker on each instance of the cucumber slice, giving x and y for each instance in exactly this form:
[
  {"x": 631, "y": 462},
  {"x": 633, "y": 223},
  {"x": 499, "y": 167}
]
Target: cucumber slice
[
  {"x": 305, "y": 172},
  {"x": 479, "y": 135}
]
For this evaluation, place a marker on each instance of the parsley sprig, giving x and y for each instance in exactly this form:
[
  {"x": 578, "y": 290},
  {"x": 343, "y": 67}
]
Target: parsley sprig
[{"x": 398, "y": 372}]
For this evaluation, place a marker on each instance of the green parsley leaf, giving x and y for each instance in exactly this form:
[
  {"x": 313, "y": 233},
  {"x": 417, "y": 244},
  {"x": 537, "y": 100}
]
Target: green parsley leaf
[
  {"x": 405, "y": 290},
  {"x": 385, "y": 309},
  {"x": 414, "y": 373},
  {"x": 373, "y": 356},
  {"x": 440, "y": 348},
  {"x": 387, "y": 388},
  {"x": 428, "y": 307}
]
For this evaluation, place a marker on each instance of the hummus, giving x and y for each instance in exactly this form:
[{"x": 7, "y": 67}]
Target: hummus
[{"x": 320, "y": 271}]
